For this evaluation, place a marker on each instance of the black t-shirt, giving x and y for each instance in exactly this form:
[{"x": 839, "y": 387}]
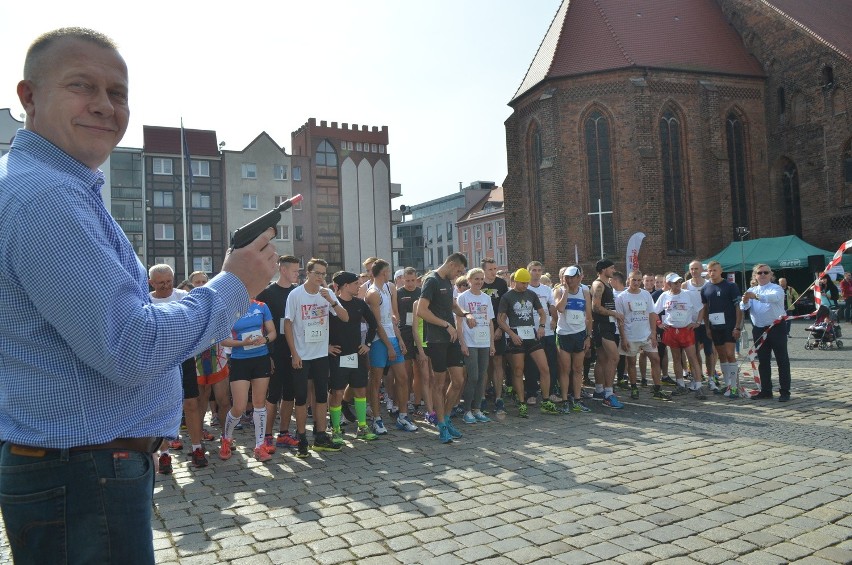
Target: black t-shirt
[
  {"x": 439, "y": 292},
  {"x": 519, "y": 307},
  {"x": 275, "y": 296},
  {"x": 721, "y": 298},
  {"x": 348, "y": 334},
  {"x": 405, "y": 306},
  {"x": 496, "y": 290}
]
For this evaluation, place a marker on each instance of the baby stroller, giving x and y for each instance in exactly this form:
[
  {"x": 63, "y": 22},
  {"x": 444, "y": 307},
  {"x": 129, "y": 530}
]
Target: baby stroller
[{"x": 825, "y": 331}]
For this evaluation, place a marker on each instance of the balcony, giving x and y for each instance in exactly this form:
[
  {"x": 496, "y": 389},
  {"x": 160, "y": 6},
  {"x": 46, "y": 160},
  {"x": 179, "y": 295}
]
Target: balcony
[
  {"x": 395, "y": 189},
  {"x": 396, "y": 216},
  {"x": 397, "y": 244}
]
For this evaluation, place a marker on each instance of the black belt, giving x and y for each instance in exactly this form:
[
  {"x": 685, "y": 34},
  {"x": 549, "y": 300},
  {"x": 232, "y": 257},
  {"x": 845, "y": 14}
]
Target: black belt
[{"x": 141, "y": 444}]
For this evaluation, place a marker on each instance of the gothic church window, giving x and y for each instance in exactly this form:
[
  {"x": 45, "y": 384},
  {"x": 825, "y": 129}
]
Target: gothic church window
[
  {"x": 599, "y": 168},
  {"x": 672, "y": 174},
  {"x": 737, "y": 170}
]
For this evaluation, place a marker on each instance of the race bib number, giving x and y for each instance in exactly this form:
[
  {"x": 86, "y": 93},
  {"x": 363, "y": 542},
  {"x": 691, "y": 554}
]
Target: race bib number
[
  {"x": 638, "y": 306},
  {"x": 678, "y": 317},
  {"x": 314, "y": 331},
  {"x": 409, "y": 319},
  {"x": 612, "y": 319},
  {"x": 250, "y": 335},
  {"x": 349, "y": 361},
  {"x": 717, "y": 319},
  {"x": 576, "y": 316},
  {"x": 481, "y": 336},
  {"x": 525, "y": 332}
]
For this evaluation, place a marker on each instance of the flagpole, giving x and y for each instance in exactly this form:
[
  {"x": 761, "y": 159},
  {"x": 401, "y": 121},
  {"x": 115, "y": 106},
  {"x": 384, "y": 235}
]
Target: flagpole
[{"x": 183, "y": 200}]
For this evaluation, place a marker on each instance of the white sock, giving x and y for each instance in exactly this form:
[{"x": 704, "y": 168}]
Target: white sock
[
  {"x": 607, "y": 392},
  {"x": 681, "y": 382},
  {"x": 194, "y": 447},
  {"x": 599, "y": 388},
  {"x": 230, "y": 423},
  {"x": 259, "y": 417}
]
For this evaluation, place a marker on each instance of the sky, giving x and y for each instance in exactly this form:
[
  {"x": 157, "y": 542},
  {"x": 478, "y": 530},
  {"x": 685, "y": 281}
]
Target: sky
[{"x": 438, "y": 73}]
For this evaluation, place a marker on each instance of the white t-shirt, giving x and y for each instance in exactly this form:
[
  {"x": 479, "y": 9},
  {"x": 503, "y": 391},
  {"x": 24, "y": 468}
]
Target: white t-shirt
[
  {"x": 545, "y": 296},
  {"x": 177, "y": 294},
  {"x": 679, "y": 310},
  {"x": 572, "y": 319},
  {"x": 636, "y": 309},
  {"x": 309, "y": 314},
  {"x": 483, "y": 312},
  {"x": 688, "y": 285}
]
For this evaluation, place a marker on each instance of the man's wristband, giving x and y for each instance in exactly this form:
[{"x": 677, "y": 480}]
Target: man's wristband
[
  {"x": 541, "y": 325},
  {"x": 335, "y": 304}
]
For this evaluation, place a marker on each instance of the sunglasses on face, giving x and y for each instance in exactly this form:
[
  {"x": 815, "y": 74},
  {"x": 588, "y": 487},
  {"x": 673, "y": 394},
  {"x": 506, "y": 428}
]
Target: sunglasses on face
[{"x": 763, "y": 272}]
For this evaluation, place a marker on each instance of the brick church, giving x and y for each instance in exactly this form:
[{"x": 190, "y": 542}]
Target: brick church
[{"x": 682, "y": 119}]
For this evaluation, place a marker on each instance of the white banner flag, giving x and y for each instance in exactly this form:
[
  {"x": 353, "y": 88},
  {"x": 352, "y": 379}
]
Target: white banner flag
[{"x": 633, "y": 246}]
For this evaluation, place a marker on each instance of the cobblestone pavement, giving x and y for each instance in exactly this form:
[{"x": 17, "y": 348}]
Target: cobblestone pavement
[{"x": 719, "y": 481}]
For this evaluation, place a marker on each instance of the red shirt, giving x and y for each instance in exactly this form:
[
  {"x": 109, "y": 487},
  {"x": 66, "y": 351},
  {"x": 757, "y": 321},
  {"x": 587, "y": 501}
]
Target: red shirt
[{"x": 846, "y": 288}]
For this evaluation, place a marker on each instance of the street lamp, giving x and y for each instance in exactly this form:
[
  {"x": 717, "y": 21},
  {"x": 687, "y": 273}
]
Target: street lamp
[{"x": 742, "y": 233}]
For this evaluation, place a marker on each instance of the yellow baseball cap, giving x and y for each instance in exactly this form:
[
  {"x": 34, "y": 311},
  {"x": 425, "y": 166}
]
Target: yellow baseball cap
[{"x": 522, "y": 276}]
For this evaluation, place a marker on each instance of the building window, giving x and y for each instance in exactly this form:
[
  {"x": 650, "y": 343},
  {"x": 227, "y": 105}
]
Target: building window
[
  {"x": 488, "y": 227},
  {"x": 249, "y": 201},
  {"x": 358, "y": 147},
  {"x": 283, "y": 232},
  {"x": 792, "y": 202},
  {"x": 297, "y": 173},
  {"x": 440, "y": 255},
  {"x": 279, "y": 172},
  {"x": 200, "y": 168},
  {"x": 201, "y": 232},
  {"x": 249, "y": 171},
  {"x": 170, "y": 261},
  {"x": 164, "y": 199},
  {"x": 477, "y": 233},
  {"x": 672, "y": 173},
  {"x": 737, "y": 171},
  {"x": 599, "y": 163},
  {"x": 326, "y": 156},
  {"x": 204, "y": 263},
  {"x": 490, "y": 245},
  {"x": 162, "y": 166},
  {"x": 464, "y": 235},
  {"x": 200, "y": 200},
  {"x": 501, "y": 256},
  {"x": 381, "y": 148},
  {"x": 450, "y": 229},
  {"x": 299, "y": 233},
  {"x": 375, "y": 149},
  {"x": 499, "y": 228},
  {"x": 164, "y": 232},
  {"x": 449, "y": 250}
]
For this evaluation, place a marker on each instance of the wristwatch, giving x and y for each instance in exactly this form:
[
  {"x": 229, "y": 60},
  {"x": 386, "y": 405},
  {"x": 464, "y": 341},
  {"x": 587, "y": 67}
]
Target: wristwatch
[{"x": 266, "y": 337}]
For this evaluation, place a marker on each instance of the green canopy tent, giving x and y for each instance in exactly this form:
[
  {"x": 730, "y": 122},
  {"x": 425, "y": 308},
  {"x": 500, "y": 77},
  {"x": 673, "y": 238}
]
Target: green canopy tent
[{"x": 787, "y": 252}]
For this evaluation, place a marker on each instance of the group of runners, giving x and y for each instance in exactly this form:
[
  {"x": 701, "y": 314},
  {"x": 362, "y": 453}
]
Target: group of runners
[{"x": 438, "y": 346}]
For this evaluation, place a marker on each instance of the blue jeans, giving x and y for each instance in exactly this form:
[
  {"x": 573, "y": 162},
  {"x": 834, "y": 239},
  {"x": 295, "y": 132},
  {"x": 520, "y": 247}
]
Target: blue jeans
[{"x": 82, "y": 507}]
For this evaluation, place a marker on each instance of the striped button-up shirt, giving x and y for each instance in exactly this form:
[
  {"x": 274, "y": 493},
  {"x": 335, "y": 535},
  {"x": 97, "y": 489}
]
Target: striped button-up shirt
[{"x": 85, "y": 357}]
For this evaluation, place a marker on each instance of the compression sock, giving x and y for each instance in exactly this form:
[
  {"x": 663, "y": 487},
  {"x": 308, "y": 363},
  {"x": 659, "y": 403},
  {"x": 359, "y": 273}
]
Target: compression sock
[
  {"x": 334, "y": 413},
  {"x": 361, "y": 411}
]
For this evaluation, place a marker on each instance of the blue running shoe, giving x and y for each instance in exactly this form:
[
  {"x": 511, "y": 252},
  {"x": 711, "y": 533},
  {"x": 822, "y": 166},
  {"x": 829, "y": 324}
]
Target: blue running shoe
[
  {"x": 613, "y": 402},
  {"x": 444, "y": 434},
  {"x": 480, "y": 417},
  {"x": 469, "y": 418},
  {"x": 454, "y": 433}
]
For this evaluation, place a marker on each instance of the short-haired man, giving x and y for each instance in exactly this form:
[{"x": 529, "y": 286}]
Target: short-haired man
[
  {"x": 348, "y": 359},
  {"x": 119, "y": 361},
  {"x": 495, "y": 287},
  {"x": 703, "y": 340},
  {"x": 640, "y": 333},
  {"x": 406, "y": 296},
  {"x": 515, "y": 318},
  {"x": 281, "y": 381},
  {"x": 647, "y": 284},
  {"x": 306, "y": 328},
  {"x": 548, "y": 341},
  {"x": 765, "y": 304},
  {"x": 680, "y": 309},
  {"x": 574, "y": 326},
  {"x": 604, "y": 318},
  {"x": 724, "y": 321},
  {"x": 436, "y": 307}
]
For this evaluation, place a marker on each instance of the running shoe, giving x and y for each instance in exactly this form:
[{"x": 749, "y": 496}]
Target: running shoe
[
  {"x": 469, "y": 418},
  {"x": 532, "y": 400},
  {"x": 548, "y": 407},
  {"x": 214, "y": 420},
  {"x": 680, "y": 391},
  {"x": 458, "y": 411},
  {"x": 165, "y": 462},
  {"x": 337, "y": 437},
  {"x": 643, "y": 381},
  {"x": 500, "y": 406},
  {"x": 577, "y": 405},
  {"x": 405, "y": 424},
  {"x": 323, "y": 443},
  {"x": 379, "y": 427},
  {"x": 699, "y": 394},
  {"x": 432, "y": 418},
  {"x": 225, "y": 449},
  {"x": 623, "y": 383},
  {"x": 660, "y": 395},
  {"x": 454, "y": 433},
  {"x": 734, "y": 392},
  {"x": 565, "y": 407},
  {"x": 183, "y": 422},
  {"x": 714, "y": 388},
  {"x": 667, "y": 380},
  {"x": 634, "y": 392},
  {"x": 302, "y": 451},
  {"x": 612, "y": 402},
  {"x": 410, "y": 408},
  {"x": 286, "y": 440},
  {"x": 421, "y": 411},
  {"x": 522, "y": 410},
  {"x": 444, "y": 435},
  {"x": 206, "y": 435},
  {"x": 480, "y": 417},
  {"x": 269, "y": 443},
  {"x": 346, "y": 410},
  {"x": 554, "y": 398},
  {"x": 176, "y": 444},
  {"x": 586, "y": 395},
  {"x": 365, "y": 434},
  {"x": 483, "y": 405},
  {"x": 198, "y": 458},
  {"x": 261, "y": 454},
  {"x": 598, "y": 395}
]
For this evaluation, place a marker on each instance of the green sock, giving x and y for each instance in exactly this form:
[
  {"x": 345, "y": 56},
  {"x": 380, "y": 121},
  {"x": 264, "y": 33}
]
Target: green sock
[
  {"x": 361, "y": 411},
  {"x": 334, "y": 413}
]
